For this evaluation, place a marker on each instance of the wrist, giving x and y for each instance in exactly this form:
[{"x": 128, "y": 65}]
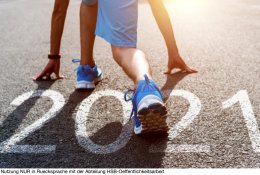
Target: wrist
[{"x": 54, "y": 56}]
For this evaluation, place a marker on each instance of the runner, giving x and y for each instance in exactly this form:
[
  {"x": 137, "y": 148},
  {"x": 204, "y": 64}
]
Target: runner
[
  {"x": 117, "y": 24},
  {"x": 88, "y": 15}
]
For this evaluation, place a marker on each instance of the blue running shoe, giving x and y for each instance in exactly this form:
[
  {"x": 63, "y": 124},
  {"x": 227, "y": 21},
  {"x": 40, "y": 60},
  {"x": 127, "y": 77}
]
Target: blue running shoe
[
  {"x": 148, "y": 108},
  {"x": 87, "y": 77}
]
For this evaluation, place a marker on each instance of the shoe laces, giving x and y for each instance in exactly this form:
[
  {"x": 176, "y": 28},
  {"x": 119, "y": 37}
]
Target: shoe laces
[
  {"x": 88, "y": 71},
  {"x": 127, "y": 98},
  {"x": 135, "y": 92},
  {"x": 75, "y": 60}
]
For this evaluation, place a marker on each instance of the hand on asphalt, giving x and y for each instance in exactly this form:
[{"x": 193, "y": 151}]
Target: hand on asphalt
[
  {"x": 178, "y": 63},
  {"x": 53, "y": 66}
]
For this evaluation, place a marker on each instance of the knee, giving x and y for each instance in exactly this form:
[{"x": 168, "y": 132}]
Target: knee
[
  {"x": 123, "y": 55},
  {"x": 117, "y": 52}
]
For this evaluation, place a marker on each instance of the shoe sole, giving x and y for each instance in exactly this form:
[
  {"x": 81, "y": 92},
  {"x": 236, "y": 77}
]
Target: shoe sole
[
  {"x": 152, "y": 116},
  {"x": 87, "y": 84}
]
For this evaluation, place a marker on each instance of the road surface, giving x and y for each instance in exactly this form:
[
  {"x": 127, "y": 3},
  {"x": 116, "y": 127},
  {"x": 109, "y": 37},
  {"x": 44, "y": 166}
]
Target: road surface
[{"x": 213, "y": 117}]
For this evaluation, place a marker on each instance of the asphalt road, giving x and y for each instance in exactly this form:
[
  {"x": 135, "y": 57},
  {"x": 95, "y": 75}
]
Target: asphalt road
[{"x": 213, "y": 115}]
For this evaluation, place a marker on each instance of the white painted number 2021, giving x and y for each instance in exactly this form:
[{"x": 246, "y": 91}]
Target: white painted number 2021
[{"x": 11, "y": 145}]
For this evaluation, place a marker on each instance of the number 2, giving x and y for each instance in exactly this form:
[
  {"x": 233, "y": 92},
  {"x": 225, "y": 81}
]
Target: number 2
[
  {"x": 194, "y": 109},
  {"x": 10, "y": 145}
]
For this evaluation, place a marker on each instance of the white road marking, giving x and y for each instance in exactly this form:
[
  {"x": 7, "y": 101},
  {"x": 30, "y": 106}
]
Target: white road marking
[
  {"x": 9, "y": 146},
  {"x": 29, "y": 149},
  {"x": 193, "y": 111},
  {"x": 248, "y": 113},
  {"x": 174, "y": 148},
  {"x": 81, "y": 122}
]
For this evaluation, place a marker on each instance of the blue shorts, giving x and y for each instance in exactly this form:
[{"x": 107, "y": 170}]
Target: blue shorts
[{"x": 117, "y": 22}]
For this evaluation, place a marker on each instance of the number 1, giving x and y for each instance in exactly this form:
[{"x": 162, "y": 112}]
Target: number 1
[{"x": 248, "y": 113}]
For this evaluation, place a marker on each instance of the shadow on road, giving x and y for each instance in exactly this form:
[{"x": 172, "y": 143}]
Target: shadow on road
[
  {"x": 70, "y": 154},
  {"x": 59, "y": 131},
  {"x": 14, "y": 119},
  {"x": 171, "y": 82}
]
